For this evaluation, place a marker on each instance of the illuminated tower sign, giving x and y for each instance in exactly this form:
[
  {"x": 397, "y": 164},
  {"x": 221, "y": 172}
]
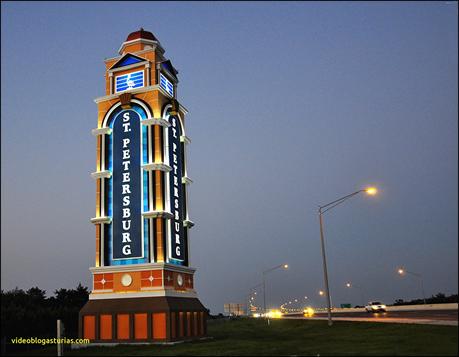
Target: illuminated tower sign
[{"x": 143, "y": 286}]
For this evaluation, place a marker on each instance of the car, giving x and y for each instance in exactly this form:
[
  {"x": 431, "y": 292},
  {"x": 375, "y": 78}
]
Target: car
[
  {"x": 308, "y": 312},
  {"x": 375, "y": 306}
]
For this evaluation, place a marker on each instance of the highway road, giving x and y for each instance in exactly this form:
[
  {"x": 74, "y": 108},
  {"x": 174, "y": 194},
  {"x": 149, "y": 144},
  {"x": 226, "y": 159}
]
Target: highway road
[{"x": 434, "y": 317}]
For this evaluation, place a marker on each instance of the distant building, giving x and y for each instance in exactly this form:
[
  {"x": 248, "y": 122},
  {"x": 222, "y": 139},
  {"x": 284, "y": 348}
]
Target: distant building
[{"x": 234, "y": 309}]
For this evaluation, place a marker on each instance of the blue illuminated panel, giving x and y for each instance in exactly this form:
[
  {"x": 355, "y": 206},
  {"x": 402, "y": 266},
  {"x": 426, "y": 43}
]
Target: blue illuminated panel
[
  {"x": 166, "y": 84},
  {"x": 109, "y": 237},
  {"x": 178, "y": 245},
  {"x": 129, "y": 81}
]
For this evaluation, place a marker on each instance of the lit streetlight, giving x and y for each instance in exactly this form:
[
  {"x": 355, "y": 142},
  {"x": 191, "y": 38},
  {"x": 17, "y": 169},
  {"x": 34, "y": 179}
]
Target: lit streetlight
[
  {"x": 322, "y": 209},
  {"x": 403, "y": 271},
  {"x": 281, "y": 266},
  {"x": 251, "y": 298}
]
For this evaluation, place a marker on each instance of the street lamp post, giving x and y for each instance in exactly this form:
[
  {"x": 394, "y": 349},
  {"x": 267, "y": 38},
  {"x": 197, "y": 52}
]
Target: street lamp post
[
  {"x": 402, "y": 271},
  {"x": 251, "y": 297},
  {"x": 322, "y": 210},
  {"x": 284, "y": 266}
]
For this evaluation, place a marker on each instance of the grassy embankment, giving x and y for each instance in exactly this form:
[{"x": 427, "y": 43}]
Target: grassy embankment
[{"x": 298, "y": 337}]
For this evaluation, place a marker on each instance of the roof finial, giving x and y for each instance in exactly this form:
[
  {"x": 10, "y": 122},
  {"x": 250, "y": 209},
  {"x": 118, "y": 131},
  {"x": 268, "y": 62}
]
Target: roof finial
[{"x": 141, "y": 29}]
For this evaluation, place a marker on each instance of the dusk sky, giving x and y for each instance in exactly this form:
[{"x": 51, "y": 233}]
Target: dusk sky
[{"x": 292, "y": 105}]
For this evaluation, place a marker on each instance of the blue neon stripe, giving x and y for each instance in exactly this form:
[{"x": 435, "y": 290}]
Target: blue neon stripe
[
  {"x": 123, "y": 80},
  {"x": 136, "y": 85},
  {"x": 146, "y": 235},
  {"x": 140, "y": 79}
]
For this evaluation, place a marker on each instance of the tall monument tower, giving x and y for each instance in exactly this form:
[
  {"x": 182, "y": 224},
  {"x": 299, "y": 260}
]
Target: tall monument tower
[{"x": 143, "y": 285}]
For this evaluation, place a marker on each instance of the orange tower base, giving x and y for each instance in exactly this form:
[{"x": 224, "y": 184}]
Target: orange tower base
[{"x": 146, "y": 319}]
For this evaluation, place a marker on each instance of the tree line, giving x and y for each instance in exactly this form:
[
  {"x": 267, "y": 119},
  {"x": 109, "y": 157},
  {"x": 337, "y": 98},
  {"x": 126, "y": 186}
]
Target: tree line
[
  {"x": 31, "y": 314},
  {"x": 439, "y": 298}
]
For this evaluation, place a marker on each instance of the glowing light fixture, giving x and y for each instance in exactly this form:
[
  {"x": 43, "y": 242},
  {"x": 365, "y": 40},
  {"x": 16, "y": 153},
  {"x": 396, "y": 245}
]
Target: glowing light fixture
[
  {"x": 371, "y": 191},
  {"x": 275, "y": 314},
  {"x": 308, "y": 312}
]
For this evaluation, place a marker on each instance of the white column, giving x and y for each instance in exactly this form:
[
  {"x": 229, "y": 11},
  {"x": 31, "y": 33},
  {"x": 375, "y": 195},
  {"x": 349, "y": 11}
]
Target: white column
[
  {"x": 148, "y": 73},
  {"x": 110, "y": 75}
]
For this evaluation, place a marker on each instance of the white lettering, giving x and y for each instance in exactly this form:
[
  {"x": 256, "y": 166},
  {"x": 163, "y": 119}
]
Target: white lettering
[
  {"x": 126, "y": 127},
  {"x": 127, "y": 225},
  {"x": 125, "y": 187},
  {"x": 126, "y": 237},
  {"x": 177, "y": 238},
  {"x": 177, "y": 251},
  {"x": 127, "y": 250},
  {"x": 176, "y": 192}
]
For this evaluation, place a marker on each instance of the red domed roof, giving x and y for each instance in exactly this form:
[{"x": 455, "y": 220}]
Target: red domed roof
[{"x": 147, "y": 35}]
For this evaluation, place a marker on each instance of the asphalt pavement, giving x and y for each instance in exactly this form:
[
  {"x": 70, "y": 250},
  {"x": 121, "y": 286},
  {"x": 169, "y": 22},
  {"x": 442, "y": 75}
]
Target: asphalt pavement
[{"x": 433, "y": 317}]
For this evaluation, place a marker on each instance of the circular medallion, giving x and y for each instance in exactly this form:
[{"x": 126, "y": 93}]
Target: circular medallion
[
  {"x": 180, "y": 279},
  {"x": 126, "y": 280}
]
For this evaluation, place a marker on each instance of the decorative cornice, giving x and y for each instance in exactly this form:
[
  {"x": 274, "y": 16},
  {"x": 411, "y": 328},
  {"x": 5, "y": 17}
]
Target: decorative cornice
[
  {"x": 101, "y": 131},
  {"x": 143, "y": 267},
  {"x": 156, "y": 121},
  {"x": 137, "y": 91},
  {"x": 186, "y": 180},
  {"x": 157, "y": 214},
  {"x": 124, "y": 68},
  {"x": 156, "y": 166},
  {"x": 185, "y": 139},
  {"x": 188, "y": 223},
  {"x": 101, "y": 174},
  {"x": 162, "y": 292},
  {"x": 101, "y": 220},
  {"x": 143, "y": 40},
  {"x": 135, "y": 53}
]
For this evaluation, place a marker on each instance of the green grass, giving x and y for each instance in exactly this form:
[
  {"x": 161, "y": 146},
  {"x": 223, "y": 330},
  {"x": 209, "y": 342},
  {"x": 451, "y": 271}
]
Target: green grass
[{"x": 246, "y": 337}]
